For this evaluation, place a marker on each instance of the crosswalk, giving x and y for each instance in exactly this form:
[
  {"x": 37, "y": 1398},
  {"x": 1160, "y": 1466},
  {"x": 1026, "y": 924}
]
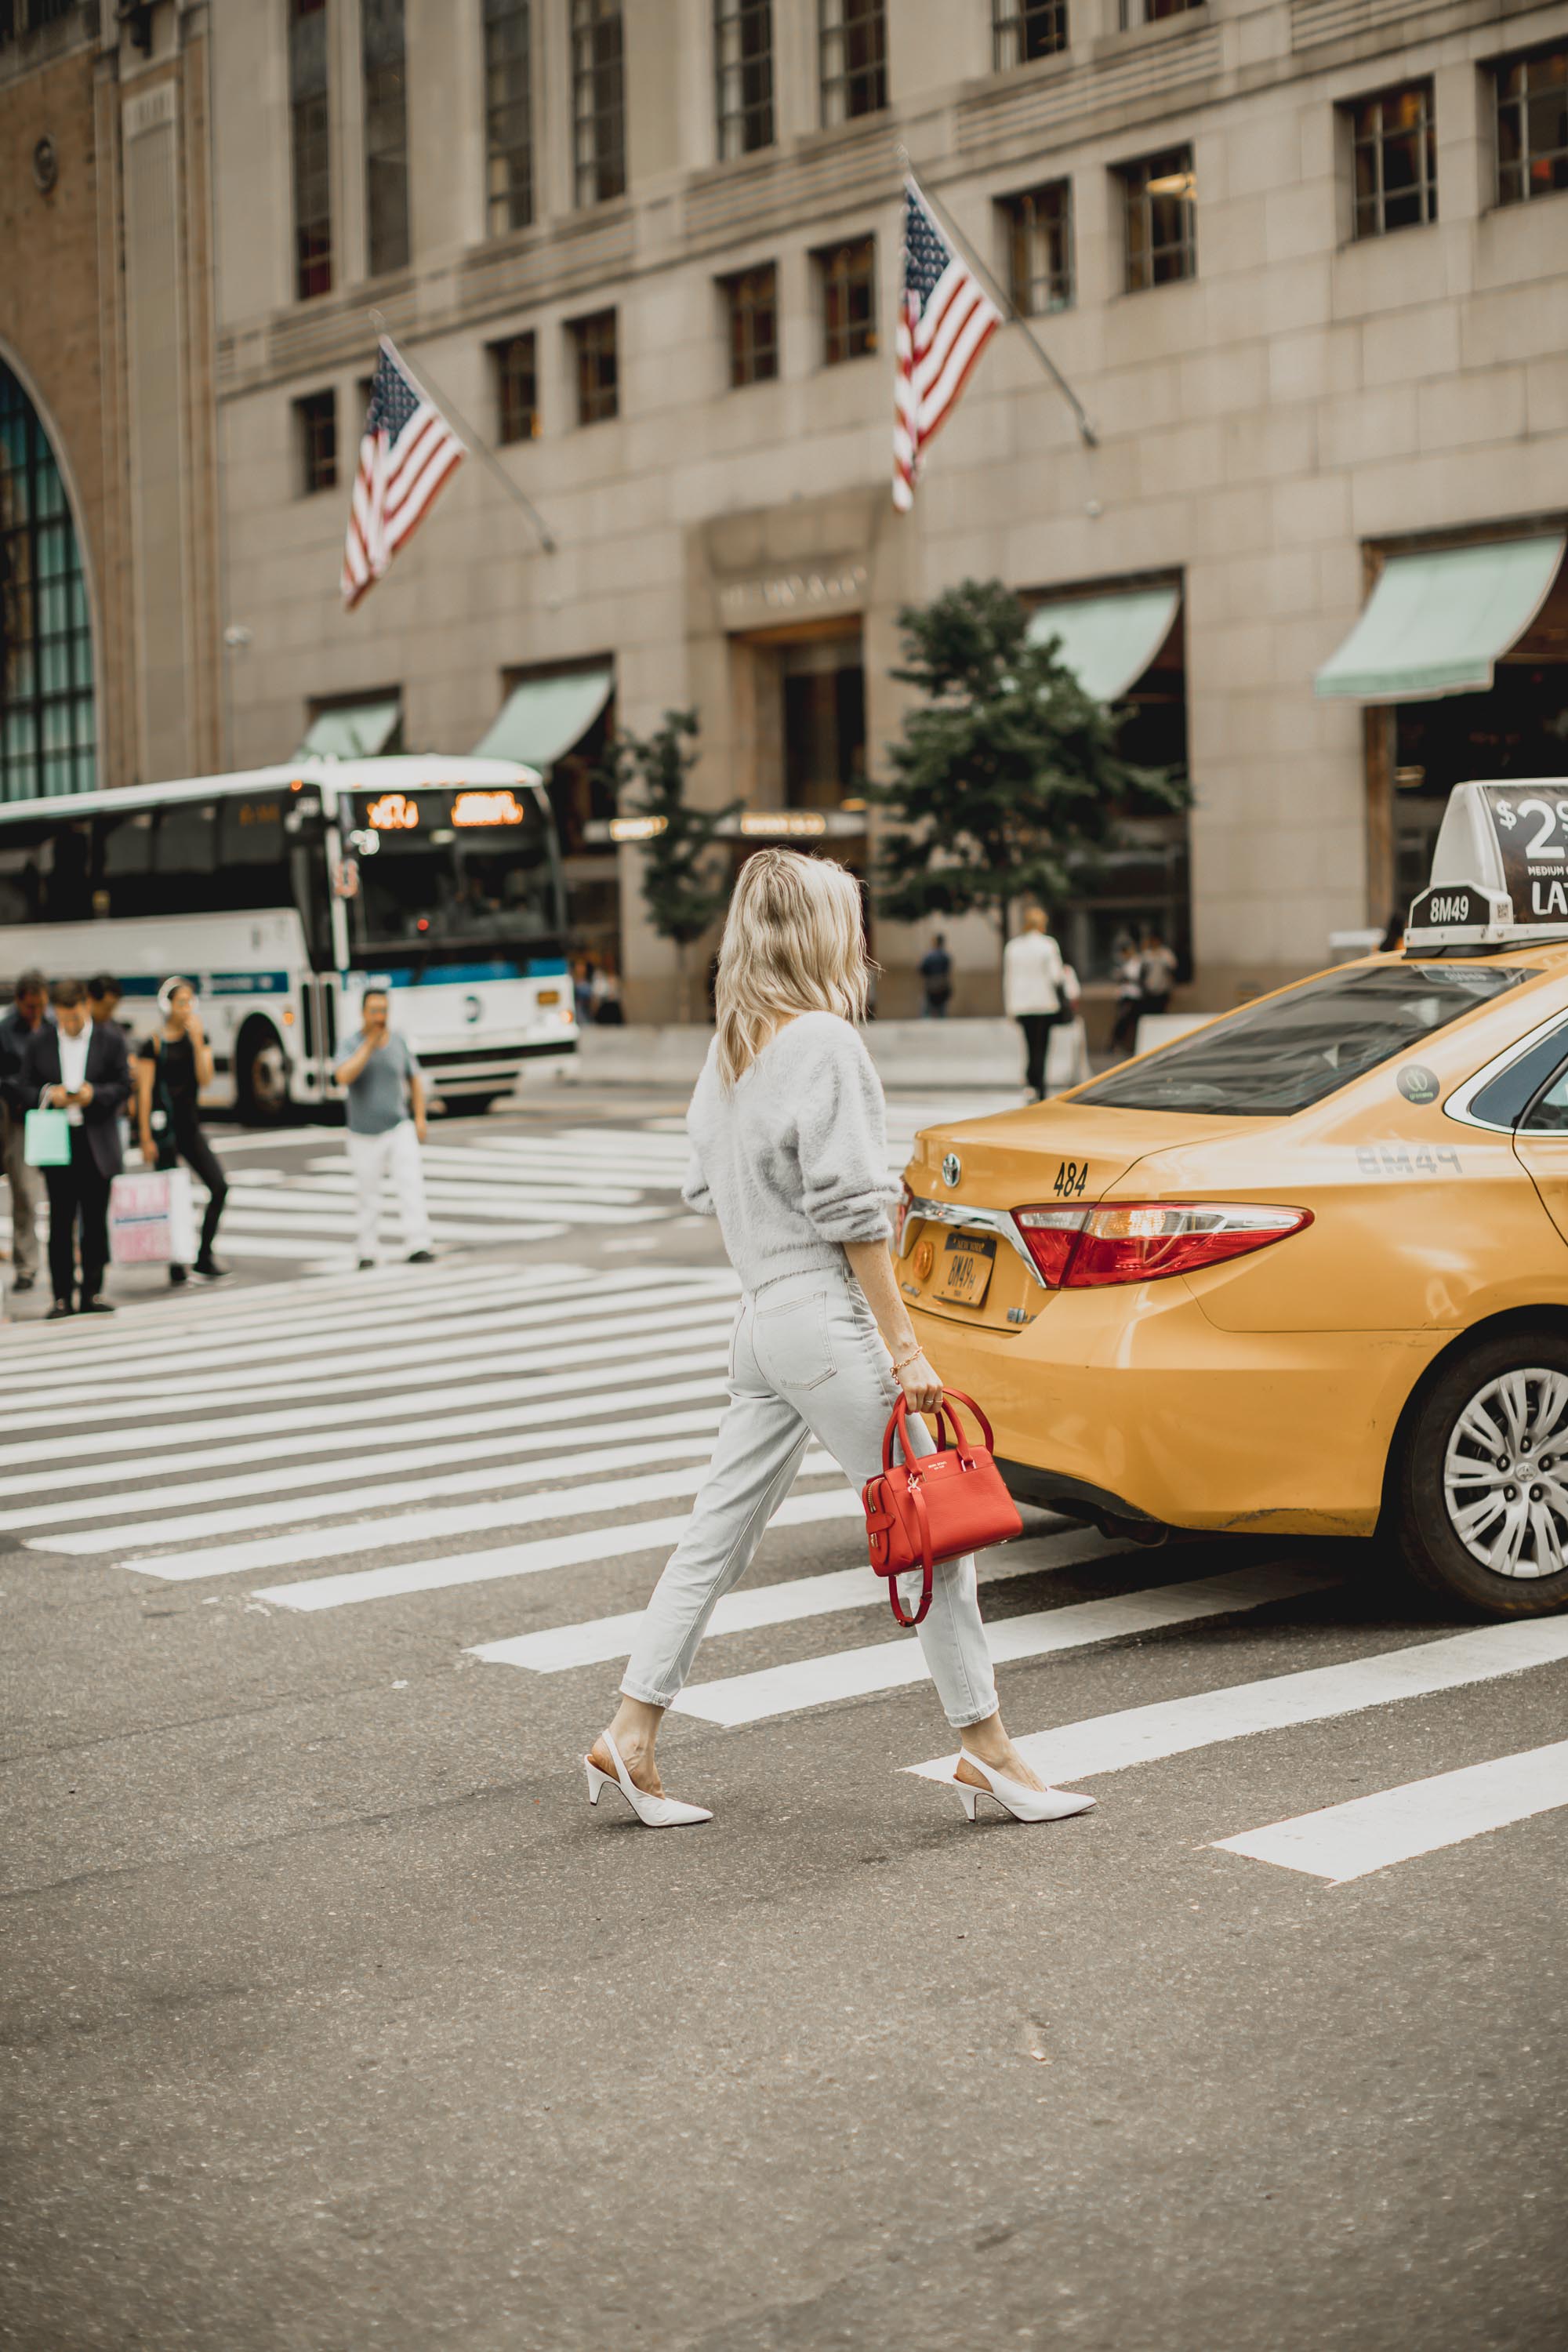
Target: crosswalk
[{"x": 497, "y": 1432}]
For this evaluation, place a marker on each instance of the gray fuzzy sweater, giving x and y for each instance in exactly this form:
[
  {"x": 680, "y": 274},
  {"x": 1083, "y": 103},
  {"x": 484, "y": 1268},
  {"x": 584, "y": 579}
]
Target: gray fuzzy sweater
[{"x": 793, "y": 1160}]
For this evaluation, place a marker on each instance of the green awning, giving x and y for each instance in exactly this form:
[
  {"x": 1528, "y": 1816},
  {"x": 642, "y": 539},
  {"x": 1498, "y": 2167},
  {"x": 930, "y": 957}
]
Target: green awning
[
  {"x": 353, "y": 730},
  {"x": 543, "y": 718},
  {"x": 1108, "y": 641},
  {"x": 1437, "y": 624}
]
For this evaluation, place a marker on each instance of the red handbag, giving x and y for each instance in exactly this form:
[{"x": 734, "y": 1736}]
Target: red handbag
[{"x": 935, "y": 1505}]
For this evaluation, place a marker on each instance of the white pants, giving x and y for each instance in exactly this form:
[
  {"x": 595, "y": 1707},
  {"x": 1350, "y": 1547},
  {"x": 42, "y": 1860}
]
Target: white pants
[
  {"x": 371, "y": 1157},
  {"x": 807, "y": 1362}
]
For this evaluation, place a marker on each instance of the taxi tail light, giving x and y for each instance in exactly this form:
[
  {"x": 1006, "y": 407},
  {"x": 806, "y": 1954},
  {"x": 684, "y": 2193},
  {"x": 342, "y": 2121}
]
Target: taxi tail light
[
  {"x": 1145, "y": 1241},
  {"x": 902, "y": 1208}
]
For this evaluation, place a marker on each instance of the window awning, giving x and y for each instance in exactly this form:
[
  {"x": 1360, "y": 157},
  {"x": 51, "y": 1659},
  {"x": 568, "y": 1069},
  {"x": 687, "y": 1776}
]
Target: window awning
[
  {"x": 353, "y": 730},
  {"x": 542, "y": 719},
  {"x": 1108, "y": 640},
  {"x": 1437, "y": 624}
]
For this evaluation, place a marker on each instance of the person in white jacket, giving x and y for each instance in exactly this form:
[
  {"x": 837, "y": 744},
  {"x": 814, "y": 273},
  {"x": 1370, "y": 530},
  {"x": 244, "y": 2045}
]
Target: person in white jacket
[{"x": 1034, "y": 991}]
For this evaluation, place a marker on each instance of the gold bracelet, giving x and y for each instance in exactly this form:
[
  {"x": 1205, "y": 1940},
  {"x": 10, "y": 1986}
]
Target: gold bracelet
[{"x": 901, "y": 1361}]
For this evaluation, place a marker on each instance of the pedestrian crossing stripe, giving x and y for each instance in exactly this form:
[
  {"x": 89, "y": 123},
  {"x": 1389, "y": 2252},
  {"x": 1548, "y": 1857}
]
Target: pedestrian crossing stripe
[
  {"x": 892, "y": 1666},
  {"x": 593, "y": 1547},
  {"x": 393, "y": 1527},
  {"x": 1367, "y": 1833},
  {"x": 1148, "y": 1735}
]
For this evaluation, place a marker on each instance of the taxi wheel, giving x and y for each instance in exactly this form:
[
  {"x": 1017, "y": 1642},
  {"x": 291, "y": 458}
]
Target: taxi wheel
[{"x": 1483, "y": 1480}]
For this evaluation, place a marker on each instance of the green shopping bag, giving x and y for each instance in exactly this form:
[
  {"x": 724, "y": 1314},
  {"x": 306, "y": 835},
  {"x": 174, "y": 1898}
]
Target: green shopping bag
[{"x": 46, "y": 1139}]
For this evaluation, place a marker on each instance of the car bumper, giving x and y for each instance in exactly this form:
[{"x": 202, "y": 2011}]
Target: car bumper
[{"x": 1129, "y": 1403}]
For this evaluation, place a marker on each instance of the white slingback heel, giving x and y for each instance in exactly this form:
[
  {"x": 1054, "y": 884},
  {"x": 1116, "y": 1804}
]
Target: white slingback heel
[
  {"x": 654, "y": 1812},
  {"x": 1024, "y": 1804}
]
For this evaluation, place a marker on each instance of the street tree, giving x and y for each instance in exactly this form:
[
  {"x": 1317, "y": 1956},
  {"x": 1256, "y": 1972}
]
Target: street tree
[
  {"x": 686, "y": 866},
  {"x": 1007, "y": 782}
]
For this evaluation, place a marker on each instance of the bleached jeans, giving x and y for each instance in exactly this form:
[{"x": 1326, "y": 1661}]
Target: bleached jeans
[
  {"x": 373, "y": 1158},
  {"x": 807, "y": 1361}
]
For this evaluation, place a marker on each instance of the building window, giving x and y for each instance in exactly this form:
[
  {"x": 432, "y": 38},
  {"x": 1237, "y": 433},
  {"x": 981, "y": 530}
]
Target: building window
[
  {"x": 849, "y": 277},
  {"x": 598, "y": 102},
  {"x": 743, "y": 75},
  {"x": 310, "y": 150},
  {"x": 824, "y": 683},
  {"x": 1022, "y": 29},
  {"x": 1039, "y": 247},
  {"x": 1394, "y": 150},
  {"x": 1152, "y": 12},
  {"x": 316, "y": 434},
  {"x": 752, "y": 300},
  {"x": 509, "y": 114},
  {"x": 598, "y": 375},
  {"x": 852, "y": 68},
  {"x": 47, "y": 732},
  {"x": 1532, "y": 126},
  {"x": 517, "y": 388},
  {"x": 385, "y": 134},
  {"x": 1160, "y": 207}
]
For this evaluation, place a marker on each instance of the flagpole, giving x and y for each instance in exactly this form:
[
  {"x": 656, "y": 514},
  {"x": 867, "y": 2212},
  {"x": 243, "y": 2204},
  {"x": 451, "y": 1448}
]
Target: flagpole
[
  {"x": 1015, "y": 317},
  {"x": 476, "y": 440}
]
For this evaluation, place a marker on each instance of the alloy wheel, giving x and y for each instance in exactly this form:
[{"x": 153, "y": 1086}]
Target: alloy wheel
[{"x": 1505, "y": 1474}]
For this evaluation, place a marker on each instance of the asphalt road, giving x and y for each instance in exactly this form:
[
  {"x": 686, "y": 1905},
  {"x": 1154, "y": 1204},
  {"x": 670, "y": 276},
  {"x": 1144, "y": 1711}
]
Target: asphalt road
[{"x": 334, "y": 2018}]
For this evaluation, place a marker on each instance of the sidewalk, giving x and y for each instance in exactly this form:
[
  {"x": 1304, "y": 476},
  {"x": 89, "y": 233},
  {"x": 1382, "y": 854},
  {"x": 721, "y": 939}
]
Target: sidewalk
[{"x": 919, "y": 1057}]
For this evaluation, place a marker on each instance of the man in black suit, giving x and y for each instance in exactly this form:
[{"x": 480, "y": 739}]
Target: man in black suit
[{"x": 72, "y": 1065}]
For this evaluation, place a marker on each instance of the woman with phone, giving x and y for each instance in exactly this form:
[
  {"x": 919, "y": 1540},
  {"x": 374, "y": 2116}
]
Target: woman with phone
[{"x": 172, "y": 1067}]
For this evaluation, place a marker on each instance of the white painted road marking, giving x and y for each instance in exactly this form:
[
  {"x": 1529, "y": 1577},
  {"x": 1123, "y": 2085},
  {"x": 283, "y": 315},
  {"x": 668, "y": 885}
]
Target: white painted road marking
[
  {"x": 1348, "y": 1840},
  {"x": 890, "y": 1666},
  {"x": 1144, "y": 1734}
]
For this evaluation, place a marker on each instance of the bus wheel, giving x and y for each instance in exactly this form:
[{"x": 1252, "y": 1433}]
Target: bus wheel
[{"x": 260, "y": 1076}]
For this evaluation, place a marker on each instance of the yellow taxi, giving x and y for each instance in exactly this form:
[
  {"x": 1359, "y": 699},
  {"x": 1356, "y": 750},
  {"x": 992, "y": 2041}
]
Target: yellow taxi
[{"x": 1303, "y": 1270}]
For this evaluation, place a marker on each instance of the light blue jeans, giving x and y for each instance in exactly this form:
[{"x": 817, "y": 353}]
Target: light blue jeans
[{"x": 807, "y": 1361}]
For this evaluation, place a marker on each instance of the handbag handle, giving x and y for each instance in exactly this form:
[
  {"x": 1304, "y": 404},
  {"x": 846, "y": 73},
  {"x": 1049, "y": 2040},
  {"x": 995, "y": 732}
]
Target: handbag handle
[{"x": 898, "y": 1417}]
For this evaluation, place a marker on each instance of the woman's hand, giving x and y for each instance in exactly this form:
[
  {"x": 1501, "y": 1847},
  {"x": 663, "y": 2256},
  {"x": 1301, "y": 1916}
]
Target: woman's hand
[{"x": 921, "y": 1388}]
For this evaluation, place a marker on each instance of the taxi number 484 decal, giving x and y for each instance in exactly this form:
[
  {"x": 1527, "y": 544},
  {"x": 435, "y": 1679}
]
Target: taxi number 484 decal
[
  {"x": 1071, "y": 1178},
  {"x": 1396, "y": 1159}
]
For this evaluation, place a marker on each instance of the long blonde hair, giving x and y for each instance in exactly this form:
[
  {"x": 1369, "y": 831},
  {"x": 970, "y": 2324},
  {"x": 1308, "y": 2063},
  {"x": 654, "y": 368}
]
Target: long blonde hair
[{"x": 793, "y": 942}]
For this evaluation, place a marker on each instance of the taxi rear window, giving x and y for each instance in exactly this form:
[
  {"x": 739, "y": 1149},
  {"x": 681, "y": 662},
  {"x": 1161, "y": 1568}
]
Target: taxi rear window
[{"x": 1269, "y": 1059}]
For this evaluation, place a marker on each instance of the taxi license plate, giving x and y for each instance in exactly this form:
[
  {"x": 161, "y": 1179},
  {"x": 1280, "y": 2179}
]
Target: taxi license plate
[{"x": 968, "y": 1260}]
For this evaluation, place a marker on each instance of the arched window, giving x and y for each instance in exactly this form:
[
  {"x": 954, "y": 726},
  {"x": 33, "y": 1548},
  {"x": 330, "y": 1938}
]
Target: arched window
[{"x": 49, "y": 736}]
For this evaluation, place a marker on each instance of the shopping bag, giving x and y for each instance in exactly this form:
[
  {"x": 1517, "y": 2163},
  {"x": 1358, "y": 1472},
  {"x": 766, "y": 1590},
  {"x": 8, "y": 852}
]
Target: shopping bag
[
  {"x": 46, "y": 1139},
  {"x": 151, "y": 1218}
]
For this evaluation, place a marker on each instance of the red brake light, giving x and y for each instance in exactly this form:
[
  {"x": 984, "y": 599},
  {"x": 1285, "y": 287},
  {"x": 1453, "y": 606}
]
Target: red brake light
[{"x": 1146, "y": 1241}]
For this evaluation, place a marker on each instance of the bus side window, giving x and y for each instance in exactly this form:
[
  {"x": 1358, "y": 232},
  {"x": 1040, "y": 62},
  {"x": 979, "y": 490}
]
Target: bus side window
[{"x": 124, "y": 862}]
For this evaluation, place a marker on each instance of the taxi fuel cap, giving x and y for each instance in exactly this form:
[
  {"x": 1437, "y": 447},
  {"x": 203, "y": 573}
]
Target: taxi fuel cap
[{"x": 1499, "y": 868}]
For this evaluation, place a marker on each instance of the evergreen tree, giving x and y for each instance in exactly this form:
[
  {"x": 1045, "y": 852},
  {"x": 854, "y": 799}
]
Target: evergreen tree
[
  {"x": 686, "y": 871},
  {"x": 1007, "y": 783}
]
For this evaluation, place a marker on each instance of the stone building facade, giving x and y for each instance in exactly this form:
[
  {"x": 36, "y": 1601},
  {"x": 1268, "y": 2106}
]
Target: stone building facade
[
  {"x": 1302, "y": 260},
  {"x": 111, "y": 664}
]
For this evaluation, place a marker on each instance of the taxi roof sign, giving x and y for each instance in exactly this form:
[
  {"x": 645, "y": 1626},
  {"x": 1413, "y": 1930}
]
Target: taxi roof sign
[{"x": 1499, "y": 867}]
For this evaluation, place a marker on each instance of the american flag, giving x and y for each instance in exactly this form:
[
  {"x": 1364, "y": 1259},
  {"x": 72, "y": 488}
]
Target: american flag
[
  {"x": 406, "y": 453},
  {"x": 946, "y": 320}
]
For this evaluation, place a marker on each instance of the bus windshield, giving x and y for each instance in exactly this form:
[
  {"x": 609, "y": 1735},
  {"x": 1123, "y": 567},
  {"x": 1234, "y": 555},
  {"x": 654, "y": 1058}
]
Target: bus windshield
[{"x": 441, "y": 867}]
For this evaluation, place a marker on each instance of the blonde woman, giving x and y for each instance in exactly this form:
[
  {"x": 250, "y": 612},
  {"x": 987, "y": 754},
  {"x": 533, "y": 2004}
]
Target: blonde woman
[{"x": 789, "y": 1152}]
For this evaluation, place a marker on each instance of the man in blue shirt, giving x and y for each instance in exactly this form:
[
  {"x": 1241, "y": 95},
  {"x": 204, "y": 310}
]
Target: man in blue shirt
[{"x": 386, "y": 1126}]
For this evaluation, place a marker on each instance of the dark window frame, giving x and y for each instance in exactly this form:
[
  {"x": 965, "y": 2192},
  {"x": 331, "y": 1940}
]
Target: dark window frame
[
  {"x": 751, "y": 317},
  {"x": 598, "y": 102},
  {"x": 383, "y": 68},
  {"x": 1374, "y": 132},
  {"x": 742, "y": 76},
  {"x": 515, "y": 360},
  {"x": 310, "y": 149},
  {"x": 316, "y": 441},
  {"x": 1148, "y": 212},
  {"x": 852, "y": 60},
  {"x": 1023, "y": 30},
  {"x": 1038, "y": 223},
  {"x": 1155, "y": 12},
  {"x": 595, "y": 340},
  {"x": 1519, "y": 158},
  {"x": 509, "y": 115},
  {"x": 843, "y": 270},
  {"x": 49, "y": 711}
]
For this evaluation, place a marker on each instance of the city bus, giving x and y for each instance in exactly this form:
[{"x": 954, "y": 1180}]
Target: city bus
[{"x": 285, "y": 892}]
